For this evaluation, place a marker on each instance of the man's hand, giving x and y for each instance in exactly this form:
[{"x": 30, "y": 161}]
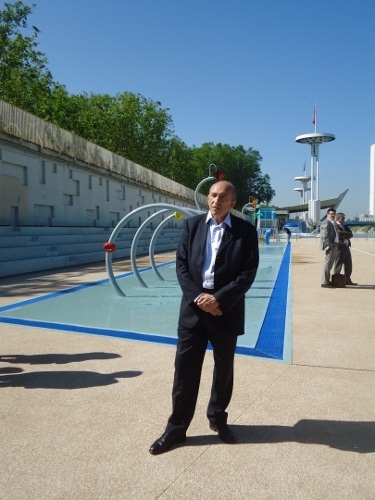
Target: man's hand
[{"x": 209, "y": 304}]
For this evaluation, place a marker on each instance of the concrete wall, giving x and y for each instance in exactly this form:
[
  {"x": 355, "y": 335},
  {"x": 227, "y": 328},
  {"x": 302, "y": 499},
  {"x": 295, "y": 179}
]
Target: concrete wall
[{"x": 49, "y": 177}]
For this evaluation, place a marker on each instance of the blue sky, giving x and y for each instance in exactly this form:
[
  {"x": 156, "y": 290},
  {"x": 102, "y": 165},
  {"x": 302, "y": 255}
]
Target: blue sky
[{"x": 240, "y": 72}]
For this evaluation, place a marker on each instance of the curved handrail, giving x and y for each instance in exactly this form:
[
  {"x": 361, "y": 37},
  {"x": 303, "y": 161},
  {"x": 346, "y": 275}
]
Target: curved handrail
[
  {"x": 196, "y": 192},
  {"x": 154, "y": 237},
  {"x": 120, "y": 225},
  {"x": 136, "y": 238}
]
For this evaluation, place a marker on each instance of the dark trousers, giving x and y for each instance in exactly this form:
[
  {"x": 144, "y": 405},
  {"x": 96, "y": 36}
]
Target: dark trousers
[
  {"x": 344, "y": 258},
  {"x": 191, "y": 349}
]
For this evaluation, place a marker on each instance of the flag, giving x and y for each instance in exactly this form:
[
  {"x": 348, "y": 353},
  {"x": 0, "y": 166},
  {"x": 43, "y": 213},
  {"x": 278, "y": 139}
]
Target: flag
[{"x": 314, "y": 115}]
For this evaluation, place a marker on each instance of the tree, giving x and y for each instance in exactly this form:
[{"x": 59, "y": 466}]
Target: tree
[
  {"x": 25, "y": 80},
  {"x": 145, "y": 129},
  {"x": 242, "y": 168},
  {"x": 179, "y": 164},
  {"x": 127, "y": 124}
]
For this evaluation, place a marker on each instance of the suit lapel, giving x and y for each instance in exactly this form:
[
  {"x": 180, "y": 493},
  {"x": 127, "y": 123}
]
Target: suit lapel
[
  {"x": 227, "y": 238},
  {"x": 201, "y": 237}
]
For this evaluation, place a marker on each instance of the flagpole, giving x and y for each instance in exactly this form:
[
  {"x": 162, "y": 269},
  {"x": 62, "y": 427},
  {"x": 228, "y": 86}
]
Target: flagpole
[{"x": 314, "y": 118}]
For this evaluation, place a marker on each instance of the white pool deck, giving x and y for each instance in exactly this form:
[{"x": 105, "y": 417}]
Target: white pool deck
[{"x": 79, "y": 412}]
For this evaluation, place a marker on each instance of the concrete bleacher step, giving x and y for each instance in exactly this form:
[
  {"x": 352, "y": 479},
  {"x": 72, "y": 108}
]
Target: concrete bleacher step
[{"x": 30, "y": 249}]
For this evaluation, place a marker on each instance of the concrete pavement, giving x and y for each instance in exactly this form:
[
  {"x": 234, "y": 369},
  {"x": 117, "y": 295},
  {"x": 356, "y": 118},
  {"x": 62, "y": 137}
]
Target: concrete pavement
[{"x": 79, "y": 412}]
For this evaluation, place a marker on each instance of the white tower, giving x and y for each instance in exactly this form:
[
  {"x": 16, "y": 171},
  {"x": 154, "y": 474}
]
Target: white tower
[
  {"x": 303, "y": 179},
  {"x": 372, "y": 180},
  {"x": 303, "y": 189},
  {"x": 314, "y": 139}
]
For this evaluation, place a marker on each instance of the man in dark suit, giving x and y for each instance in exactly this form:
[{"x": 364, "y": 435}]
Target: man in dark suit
[
  {"x": 216, "y": 263},
  {"x": 329, "y": 242},
  {"x": 344, "y": 256}
]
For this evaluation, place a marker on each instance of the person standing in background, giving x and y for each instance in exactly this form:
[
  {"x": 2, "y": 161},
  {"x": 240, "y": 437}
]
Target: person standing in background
[
  {"x": 288, "y": 233},
  {"x": 344, "y": 256},
  {"x": 329, "y": 240}
]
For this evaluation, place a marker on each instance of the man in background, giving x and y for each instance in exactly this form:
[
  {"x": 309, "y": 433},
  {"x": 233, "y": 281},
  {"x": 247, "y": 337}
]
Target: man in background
[
  {"x": 329, "y": 240},
  {"x": 288, "y": 233},
  {"x": 344, "y": 256}
]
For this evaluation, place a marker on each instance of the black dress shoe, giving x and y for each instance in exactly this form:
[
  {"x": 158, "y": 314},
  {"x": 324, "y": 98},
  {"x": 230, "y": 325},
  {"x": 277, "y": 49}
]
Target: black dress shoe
[
  {"x": 166, "y": 441},
  {"x": 350, "y": 282},
  {"x": 225, "y": 434},
  {"x": 327, "y": 285}
]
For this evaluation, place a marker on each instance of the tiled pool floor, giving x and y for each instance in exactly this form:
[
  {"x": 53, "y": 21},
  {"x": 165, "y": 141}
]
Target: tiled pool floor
[{"x": 150, "y": 313}]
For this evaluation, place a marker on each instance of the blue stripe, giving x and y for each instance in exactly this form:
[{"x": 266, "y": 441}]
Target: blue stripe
[{"x": 271, "y": 337}]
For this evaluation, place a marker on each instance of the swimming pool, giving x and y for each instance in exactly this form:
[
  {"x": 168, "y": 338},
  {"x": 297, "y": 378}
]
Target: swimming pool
[{"x": 150, "y": 314}]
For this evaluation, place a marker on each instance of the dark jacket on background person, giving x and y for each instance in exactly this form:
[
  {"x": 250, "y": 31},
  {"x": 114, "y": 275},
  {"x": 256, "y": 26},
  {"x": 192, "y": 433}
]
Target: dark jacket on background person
[{"x": 345, "y": 233}]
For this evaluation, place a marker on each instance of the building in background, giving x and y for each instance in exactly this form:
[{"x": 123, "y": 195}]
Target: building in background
[
  {"x": 372, "y": 181},
  {"x": 370, "y": 216}
]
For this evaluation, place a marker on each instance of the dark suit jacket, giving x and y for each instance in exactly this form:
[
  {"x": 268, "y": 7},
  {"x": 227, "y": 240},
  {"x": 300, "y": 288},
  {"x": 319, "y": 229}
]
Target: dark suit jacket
[
  {"x": 235, "y": 270},
  {"x": 344, "y": 232}
]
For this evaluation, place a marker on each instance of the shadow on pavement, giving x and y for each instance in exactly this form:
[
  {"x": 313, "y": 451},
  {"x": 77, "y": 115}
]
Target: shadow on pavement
[
  {"x": 58, "y": 359},
  {"x": 356, "y": 437},
  {"x": 12, "y": 377}
]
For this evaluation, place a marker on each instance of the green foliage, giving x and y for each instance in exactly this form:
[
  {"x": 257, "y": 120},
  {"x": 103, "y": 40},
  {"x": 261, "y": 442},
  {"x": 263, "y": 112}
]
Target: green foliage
[
  {"x": 241, "y": 167},
  {"x": 178, "y": 165},
  {"x": 25, "y": 80},
  {"x": 127, "y": 124}
]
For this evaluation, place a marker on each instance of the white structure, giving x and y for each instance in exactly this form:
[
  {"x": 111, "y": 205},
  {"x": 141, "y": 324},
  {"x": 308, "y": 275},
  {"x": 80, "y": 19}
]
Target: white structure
[
  {"x": 50, "y": 177},
  {"x": 303, "y": 189},
  {"x": 372, "y": 181},
  {"x": 314, "y": 139},
  {"x": 60, "y": 195}
]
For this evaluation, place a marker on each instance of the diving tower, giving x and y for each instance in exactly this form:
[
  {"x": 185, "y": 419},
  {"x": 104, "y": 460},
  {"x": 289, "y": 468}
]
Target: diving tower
[{"x": 314, "y": 139}]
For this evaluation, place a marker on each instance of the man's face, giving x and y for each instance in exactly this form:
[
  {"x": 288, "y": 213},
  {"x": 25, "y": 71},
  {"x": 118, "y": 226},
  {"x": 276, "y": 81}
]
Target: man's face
[
  {"x": 341, "y": 219},
  {"x": 331, "y": 215},
  {"x": 220, "y": 200}
]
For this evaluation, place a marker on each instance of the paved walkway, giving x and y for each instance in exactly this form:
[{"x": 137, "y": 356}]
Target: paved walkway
[{"x": 81, "y": 411}]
